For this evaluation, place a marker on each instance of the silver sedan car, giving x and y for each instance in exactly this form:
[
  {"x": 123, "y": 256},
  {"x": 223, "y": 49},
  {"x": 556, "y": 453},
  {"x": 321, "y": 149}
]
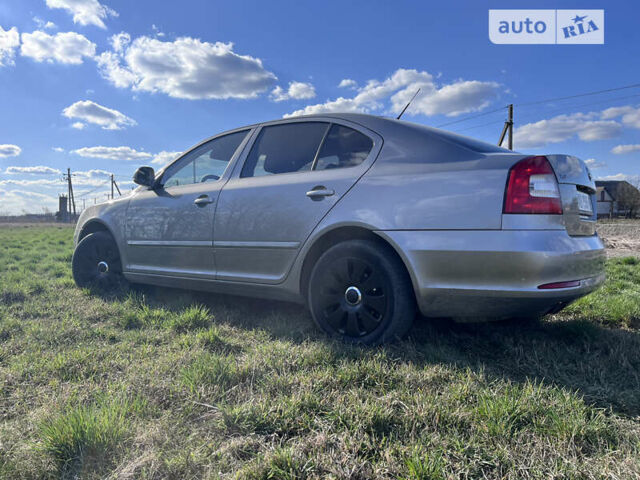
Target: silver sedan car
[{"x": 365, "y": 219}]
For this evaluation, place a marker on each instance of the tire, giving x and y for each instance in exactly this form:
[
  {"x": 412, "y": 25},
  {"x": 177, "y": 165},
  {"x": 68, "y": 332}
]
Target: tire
[
  {"x": 96, "y": 263},
  {"x": 361, "y": 292}
]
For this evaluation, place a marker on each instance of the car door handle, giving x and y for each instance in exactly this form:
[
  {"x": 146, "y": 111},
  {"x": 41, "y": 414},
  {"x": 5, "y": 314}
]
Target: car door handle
[
  {"x": 316, "y": 193},
  {"x": 203, "y": 200}
]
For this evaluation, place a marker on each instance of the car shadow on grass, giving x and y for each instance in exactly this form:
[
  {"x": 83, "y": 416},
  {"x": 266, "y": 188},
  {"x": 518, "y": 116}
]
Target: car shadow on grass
[{"x": 599, "y": 363}]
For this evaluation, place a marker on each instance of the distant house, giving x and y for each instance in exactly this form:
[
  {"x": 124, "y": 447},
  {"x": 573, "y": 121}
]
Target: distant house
[{"x": 607, "y": 192}]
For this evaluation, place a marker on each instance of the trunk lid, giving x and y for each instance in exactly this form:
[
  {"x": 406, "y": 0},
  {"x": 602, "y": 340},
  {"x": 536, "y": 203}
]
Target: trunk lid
[{"x": 577, "y": 192}]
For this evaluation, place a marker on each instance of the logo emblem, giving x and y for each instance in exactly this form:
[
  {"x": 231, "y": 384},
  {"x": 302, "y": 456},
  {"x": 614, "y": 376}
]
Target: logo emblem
[{"x": 546, "y": 26}]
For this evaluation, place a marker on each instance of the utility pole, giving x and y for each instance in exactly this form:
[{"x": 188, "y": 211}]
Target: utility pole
[
  {"x": 114, "y": 184},
  {"x": 70, "y": 198},
  {"x": 508, "y": 127}
]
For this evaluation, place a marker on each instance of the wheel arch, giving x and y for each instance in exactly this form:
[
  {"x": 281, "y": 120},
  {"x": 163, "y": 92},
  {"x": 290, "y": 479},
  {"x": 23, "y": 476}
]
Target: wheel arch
[
  {"x": 341, "y": 234},
  {"x": 93, "y": 226}
]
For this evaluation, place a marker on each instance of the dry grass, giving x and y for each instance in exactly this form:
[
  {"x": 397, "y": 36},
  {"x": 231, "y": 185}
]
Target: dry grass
[{"x": 159, "y": 383}]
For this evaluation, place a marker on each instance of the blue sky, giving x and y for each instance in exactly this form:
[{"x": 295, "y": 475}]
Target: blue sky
[{"x": 114, "y": 84}]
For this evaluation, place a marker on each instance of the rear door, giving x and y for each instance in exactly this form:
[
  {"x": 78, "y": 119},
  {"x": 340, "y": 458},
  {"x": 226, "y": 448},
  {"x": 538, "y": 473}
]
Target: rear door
[
  {"x": 169, "y": 229},
  {"x": 294, "y": 173}
]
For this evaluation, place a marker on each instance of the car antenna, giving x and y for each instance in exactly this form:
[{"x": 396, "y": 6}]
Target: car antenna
[{"x": 407, "y": 105}]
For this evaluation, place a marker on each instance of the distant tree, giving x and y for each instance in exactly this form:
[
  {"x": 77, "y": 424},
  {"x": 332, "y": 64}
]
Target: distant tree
[{"x": 628, "y": 198}]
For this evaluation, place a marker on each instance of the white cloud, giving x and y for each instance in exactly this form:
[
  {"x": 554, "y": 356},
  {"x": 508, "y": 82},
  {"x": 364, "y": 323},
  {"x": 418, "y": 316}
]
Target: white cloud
[
  {"x": 37, "y": 170},
  {"x": 57, "y": 149},
  {"x": 41, "y": 182},
  {"x": 42, "y": 24},
  {"x": 91, "y": 112},
  {"x": 558, "y": 129},
  {"x": 632, "y": 179},
  {"x": 93, "y": 173},
  {"x": 185, "y": 68},
  {"x": 78, "y": 125},
  {"x": 15, "y": 202},
  {"x": 65, "y": 47},
  {"x": 120, "y": 41},
  {"x": 78, "y": 180},
  {"x": 622, "y": 149},
  {"x": 453, "y": 99},
  {"x": 157, "y": 31},
  {"x": 296, "y": 90},
  {"x": 85, "y": 12},
  {"x": 9, "y": 41},
  {"x": 164, "y": 157},
  {"x": 112, "y": 153},
  {"x": 348, "y": 83},
  {"x": 630, "y": 115},
  {"x": 594, "y": 164},
  {"x": 8, "y": 150}
]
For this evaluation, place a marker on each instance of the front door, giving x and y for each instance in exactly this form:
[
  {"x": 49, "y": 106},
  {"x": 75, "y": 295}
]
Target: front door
[
  {"x": 169, "y": 229},
  {"x": 292, "y": 176}
]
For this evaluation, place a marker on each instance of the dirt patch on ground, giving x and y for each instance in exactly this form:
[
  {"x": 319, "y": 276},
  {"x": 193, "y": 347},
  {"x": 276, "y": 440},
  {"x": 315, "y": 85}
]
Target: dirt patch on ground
[{"x": 622, "y": 239}]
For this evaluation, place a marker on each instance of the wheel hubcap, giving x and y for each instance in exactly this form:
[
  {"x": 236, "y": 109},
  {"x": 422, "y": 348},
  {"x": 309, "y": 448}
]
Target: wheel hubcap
[
  {"x": 353, "y": 296},
  {"x": 103, "y": 267}
]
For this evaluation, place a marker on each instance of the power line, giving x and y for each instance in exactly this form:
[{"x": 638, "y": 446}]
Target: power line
[
  {"x": 93, "y": 190},
  {"x": 481, "y": 125},
  {"x": 472, "y": 116},
  {"x": 571, "y": 107},
  {"x": 538, "y": 102},
  {"x": 635, "y": 85},
  {"x": 568, "y": 107}
]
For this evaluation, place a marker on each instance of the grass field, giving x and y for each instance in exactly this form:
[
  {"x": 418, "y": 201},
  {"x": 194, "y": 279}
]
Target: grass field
[{"x": 160, "y": 383}]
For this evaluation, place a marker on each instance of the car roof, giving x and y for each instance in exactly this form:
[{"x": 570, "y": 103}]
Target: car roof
[
  {"x": 376, "y": 123},
  {"x": 386, "y": 126}
]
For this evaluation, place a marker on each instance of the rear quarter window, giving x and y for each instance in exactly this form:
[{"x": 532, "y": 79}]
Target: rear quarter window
[
  {"x": 472, "y": 144},
  {"x": 343, "y": 147}
]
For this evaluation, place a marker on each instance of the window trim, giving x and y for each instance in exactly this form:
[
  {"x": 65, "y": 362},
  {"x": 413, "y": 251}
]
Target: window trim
[
  {"x": 376, "y": 144},
  {"x": 230, "y": 164},
  {"x": 320, "y": 145}
]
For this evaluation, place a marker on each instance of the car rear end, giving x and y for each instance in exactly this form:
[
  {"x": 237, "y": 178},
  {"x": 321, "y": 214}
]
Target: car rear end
[
  {"x": 550, "y": 206},
  {"x": 541, "y": 254}
]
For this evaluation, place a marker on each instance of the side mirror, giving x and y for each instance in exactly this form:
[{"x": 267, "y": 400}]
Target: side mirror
[{"x": 145, "y": 176}]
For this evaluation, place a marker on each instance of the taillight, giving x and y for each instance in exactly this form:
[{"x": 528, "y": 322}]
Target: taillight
[{"x": 532, "y": 188}]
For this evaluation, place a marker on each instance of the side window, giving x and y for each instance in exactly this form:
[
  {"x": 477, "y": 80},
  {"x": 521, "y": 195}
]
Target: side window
[
  {"x": 206, "y": 163},
  {"x": 343, "y": 147},
  {"x": 286, "y": 148}
]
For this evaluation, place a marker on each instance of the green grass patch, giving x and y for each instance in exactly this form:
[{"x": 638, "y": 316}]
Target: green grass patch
[
  {"x": 158, "y": 383},
  {"x": 617, "y": 303},
  {"x": 89, "y": 435}
]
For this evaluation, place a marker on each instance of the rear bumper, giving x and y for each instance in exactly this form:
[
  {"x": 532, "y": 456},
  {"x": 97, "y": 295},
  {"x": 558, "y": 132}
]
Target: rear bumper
[{"x": 496, "y": 273}]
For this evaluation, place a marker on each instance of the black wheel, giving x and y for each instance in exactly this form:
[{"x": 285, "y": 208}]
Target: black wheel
[
  {"x": 360, "y": 292},
  {"x": 96, "y": 263}
]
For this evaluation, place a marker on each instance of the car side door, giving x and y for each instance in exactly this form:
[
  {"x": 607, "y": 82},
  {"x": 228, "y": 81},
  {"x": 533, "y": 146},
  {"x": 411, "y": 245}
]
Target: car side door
[
  {"x": 169, "y": 229},
  {"x": 290, "y": 178}
]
